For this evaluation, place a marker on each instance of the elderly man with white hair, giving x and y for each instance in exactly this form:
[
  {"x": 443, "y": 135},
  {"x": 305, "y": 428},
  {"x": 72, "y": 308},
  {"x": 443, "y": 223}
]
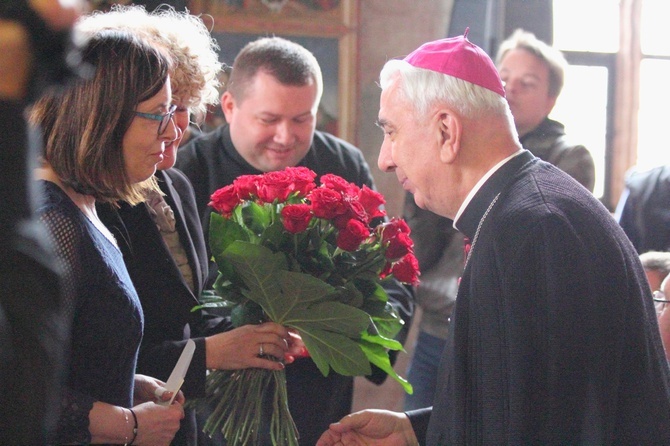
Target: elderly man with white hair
[{"x": 553, "y": 338}]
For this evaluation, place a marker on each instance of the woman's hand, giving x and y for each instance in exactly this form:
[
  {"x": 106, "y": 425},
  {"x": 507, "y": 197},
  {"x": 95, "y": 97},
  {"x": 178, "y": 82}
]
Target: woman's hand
[
  {"x": 152, "y": 389},
  {"x": 157, "y": 425},
  {"x": 261, "y": 346}
]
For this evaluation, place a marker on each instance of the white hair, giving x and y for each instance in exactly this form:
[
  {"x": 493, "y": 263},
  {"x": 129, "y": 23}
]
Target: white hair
[
  {"x": 196, "y": 65},
  {"x": 425, "y": 88}
]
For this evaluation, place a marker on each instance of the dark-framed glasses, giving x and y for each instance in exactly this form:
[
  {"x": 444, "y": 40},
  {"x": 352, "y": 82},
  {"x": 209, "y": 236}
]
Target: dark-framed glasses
[{"x": 163, "y": 119}]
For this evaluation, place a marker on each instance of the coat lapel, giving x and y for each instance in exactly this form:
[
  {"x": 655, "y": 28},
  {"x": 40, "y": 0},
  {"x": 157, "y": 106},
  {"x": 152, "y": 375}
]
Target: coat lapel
[{"x": 173, "y": 199}]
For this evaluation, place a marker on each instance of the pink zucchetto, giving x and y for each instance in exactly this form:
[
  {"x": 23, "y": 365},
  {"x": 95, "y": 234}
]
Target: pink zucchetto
[{"x": 458, "y": 57}]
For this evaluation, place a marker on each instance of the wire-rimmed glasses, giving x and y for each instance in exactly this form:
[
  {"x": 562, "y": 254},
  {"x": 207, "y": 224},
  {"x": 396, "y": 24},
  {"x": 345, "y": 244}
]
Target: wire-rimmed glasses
[{"x": 163, "y": 119}]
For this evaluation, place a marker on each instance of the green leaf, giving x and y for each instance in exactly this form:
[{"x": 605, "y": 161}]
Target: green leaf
[
  {"x": 390, "y": 344},
  {"x": 222, "y": 233},
  {"x": 256, "y": 217},
  {"x": 350, "y": 295},
  {"x": 259, "y": 268},
  {"x": 330, "y": 316},
  {"x": 336, "y": 334},
  {"x": 388, "y": 328},
  {"x": 331, "y": 331},
  {"x": 299, "y": 292},
  {"x": 275, "y": 236},
  {"x": 378, "y": 356},
  {"x": 247, "y": 313},
  {"x": 329, "y": 349}
]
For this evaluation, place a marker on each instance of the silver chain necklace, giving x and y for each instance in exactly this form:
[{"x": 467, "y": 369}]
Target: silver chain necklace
[{"x": 479, "y": 227}]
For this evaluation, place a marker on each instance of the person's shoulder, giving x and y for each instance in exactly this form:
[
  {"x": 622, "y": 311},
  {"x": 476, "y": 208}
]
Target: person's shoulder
[
  {"x": 203, "y": 143},
  {"x": 334, "y": 143},
  {"x": 52, "y": 198},
  {"x": 638, "y": 178},
  {"x": 544, "y": 185},
  {"x": 177, "y": 176},
  {"x": 59, "y": 213}
]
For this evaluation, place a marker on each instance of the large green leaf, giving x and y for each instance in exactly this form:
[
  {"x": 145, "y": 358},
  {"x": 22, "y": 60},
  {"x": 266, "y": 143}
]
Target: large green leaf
[
  {"x": 259, "y": 268},
  {"x": 329, "y": 349},
  {"x": 300, "y": 291},
  {"x": 330, "y": 316},
  {"x": 336, "y": 334}
]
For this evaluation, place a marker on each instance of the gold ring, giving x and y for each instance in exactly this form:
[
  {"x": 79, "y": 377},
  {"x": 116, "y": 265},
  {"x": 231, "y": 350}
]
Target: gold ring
[{"x": 260, "y": 350}]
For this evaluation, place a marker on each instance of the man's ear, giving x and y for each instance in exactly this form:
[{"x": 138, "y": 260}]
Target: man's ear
[
  {"x": 227, "y": 105},
  {"x": 449, "y": 135}
]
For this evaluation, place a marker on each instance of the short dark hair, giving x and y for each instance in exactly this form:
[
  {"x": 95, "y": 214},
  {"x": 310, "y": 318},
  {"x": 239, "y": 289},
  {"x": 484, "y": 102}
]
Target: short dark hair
[
  {"x": 286, "y": 61},
  {"x": 84, "y": 125}
]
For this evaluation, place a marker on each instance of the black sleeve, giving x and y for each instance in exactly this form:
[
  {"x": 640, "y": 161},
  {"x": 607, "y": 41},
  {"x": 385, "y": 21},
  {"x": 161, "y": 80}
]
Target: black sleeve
[{"x": 419, "y": 419}]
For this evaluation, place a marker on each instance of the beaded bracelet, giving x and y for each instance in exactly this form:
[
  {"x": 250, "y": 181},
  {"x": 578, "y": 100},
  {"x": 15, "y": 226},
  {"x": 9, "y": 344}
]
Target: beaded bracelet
[{"x": 134, "y": 429}]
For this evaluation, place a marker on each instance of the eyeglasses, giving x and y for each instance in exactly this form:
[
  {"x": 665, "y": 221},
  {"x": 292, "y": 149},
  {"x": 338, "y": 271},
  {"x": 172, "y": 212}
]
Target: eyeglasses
[
  {"x": 164, "y": 119},
  {"x": 659, "y": 296}
]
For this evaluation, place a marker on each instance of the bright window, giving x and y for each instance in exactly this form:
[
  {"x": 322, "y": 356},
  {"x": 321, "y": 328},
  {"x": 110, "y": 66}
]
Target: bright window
[
  {"x": 582, "y": 108},
  {"x": 586, "y": 25},
  {"x": 637, "y": 77}
]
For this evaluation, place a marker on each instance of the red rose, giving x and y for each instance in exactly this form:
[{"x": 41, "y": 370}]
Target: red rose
[
  {"x": 296, "y": 217},
  {"x": 326, "y": 203},
  {"x": 246, "y": 186},
  {"x": 371, "y": 201},
  {"x": 303, "y": 179},
  {"x": 352, "y": 235},
  {"x": 275, "y": 186},
  {"x": 399, "y": 246},
  {"x": 224, "y": 200},
  {"x": 394, "y": 227},
  {"x": 339, "y": 184},
  {"x": 407, "y": 270},
  {"x": 351, "y": 209}
]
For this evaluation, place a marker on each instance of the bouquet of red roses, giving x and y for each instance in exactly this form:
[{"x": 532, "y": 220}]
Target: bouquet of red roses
[{"x": 312, "y": 259}]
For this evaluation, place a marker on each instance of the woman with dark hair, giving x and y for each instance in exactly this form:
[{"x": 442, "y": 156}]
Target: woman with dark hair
[
  {"x": 103, "y": 138},
  {"x": 162, "y": 241}
]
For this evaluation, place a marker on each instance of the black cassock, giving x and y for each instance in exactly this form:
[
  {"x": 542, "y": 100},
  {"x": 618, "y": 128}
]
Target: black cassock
[{"x": 554, "y": 338}]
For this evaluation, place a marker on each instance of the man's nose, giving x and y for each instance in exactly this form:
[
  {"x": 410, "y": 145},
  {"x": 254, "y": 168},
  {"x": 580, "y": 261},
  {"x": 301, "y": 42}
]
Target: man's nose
[
  {"x": 384, "y": 161},
  {"x": 284, "y": 133},
  {"x": 511, "y": 86}
]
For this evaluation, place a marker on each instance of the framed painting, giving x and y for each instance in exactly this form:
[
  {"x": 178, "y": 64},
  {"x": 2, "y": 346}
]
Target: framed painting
[{"x": 325, "y": 27}]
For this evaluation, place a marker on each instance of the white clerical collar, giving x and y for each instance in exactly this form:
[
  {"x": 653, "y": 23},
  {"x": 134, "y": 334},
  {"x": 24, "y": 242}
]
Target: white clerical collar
[{"x": 481, "y": 182}]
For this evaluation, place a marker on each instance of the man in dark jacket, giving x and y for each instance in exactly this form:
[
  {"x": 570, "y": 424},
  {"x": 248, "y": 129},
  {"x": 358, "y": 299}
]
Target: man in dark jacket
[
  {"x": 553, "y": 338},
  {"x": 532, "y": 73},
  {"x": 270, "y": 106},
  {"x": 644, "y": 209}
]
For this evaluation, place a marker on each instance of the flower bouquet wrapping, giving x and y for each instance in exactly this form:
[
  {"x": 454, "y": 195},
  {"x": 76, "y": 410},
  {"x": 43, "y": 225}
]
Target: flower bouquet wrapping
[{"x": 310, "y": 258}]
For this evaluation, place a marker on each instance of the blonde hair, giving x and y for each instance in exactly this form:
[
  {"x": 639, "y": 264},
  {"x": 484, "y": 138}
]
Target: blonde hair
[
  {"x": 550, "y": 56},
  {"x": 196, "y": 66}
]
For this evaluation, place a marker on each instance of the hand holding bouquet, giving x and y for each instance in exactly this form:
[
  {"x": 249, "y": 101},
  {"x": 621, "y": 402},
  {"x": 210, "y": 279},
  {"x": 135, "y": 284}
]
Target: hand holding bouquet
[{"x": 309, "y": 258}]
